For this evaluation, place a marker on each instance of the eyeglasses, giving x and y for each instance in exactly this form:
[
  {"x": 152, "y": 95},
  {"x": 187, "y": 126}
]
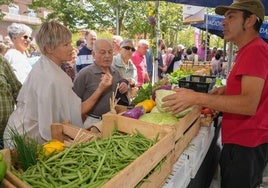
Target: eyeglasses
[
  {"x": 129, "y": 48},
  {"x": 27, "y": 37}
]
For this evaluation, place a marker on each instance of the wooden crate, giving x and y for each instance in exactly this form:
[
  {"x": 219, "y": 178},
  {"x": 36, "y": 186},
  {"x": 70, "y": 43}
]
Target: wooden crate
[
  {"x": 184, "y": 123},
  {"x": 68, "y": 134},
  {"x": 142, "y": 166},
  {"x": 184, "y": 130},
  {"x": 207, "y": 119},
  {"x": 200, "y": 69},
  {"x": 182, "y": 143},
  {"x": 139, "y": 168},
  {"x": 10, "y": 180}
]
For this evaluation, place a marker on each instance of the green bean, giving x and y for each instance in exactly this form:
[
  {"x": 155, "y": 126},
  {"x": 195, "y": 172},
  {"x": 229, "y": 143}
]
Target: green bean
[
  {"x": 99, "y": 167},
  {"x": 89, "y": 164}
]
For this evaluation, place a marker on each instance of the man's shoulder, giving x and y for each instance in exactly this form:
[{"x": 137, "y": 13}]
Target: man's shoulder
[
  {"x": 88, "y": 70},
  {"x": 84, "y": 51}
]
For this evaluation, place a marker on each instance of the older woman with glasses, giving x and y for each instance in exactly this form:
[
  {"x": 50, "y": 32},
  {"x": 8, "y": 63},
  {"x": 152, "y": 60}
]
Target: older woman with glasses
[
  {"x": 20, "y": 35},
  {"x": 123, "y": 63}
]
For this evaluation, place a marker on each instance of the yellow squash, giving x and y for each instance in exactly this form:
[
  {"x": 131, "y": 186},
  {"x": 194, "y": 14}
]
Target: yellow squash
[
  {"x": 147, "y": 104},
  {"x": 53, "y": 146}
]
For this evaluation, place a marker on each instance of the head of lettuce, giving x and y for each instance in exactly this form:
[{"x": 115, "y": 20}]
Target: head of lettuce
[{"x": 159, "y": 115}]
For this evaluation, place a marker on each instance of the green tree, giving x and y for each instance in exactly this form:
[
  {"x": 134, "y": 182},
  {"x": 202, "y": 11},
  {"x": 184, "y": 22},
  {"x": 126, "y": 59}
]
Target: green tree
[
  {"x": 76, "y": 14},
  {"x": 4, "y": 2},
  {"x": 132, "y": 18}
]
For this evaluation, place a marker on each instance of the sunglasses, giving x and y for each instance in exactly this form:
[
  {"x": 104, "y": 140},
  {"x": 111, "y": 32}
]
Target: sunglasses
[
  {"x": 129, "y": 48},
  {"x": 27, "y": 37}
]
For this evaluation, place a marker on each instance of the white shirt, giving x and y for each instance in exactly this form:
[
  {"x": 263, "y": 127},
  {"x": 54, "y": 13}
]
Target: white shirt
[
  {"x": 176, "y": 65},
  {"x": 19, "y": 63},
  {"x": 46, "y": 97}
]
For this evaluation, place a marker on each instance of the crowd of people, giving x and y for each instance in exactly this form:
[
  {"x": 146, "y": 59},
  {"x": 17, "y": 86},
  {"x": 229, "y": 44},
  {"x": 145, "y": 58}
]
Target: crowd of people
[
  {"x": 76, "y": 84},
  {"x": 93, "y": 70}
]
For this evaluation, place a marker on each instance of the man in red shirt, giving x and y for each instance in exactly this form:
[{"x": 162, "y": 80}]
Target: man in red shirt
[
  {"x": 139, "y": 60},
  {"x": 243, "y": 101}
]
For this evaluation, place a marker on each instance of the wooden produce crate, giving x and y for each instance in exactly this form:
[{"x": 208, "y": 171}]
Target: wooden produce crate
[
  {"x": 130, "y": 176},
  {"x": 10, "y": 180},
  {"x": 182, "y": 143},
  {"x": 207, "y": 119},
  {"x": 184, "y": 123},
  {"x": 184, "y": 129},
  {"x": 142, "y": 166},
  {"x": 199, "y": 69},
  {"x": 68, "y": 134}
]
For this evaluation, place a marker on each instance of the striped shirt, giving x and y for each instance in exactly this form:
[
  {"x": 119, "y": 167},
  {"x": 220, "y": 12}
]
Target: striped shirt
[{"x": 84, "y": 58}]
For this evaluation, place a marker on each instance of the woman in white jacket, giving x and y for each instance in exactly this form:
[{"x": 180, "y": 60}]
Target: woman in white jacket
[{"x": 47, "y": 97}]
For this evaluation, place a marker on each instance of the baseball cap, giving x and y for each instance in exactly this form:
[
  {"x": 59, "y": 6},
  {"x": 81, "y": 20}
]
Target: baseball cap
[{"x": 254, "y": 6}]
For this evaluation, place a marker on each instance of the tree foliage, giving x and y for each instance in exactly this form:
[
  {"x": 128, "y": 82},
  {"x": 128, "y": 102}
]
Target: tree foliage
[
  {"x": 4, "y": 2},
  {"x": 132, "y": 18}
]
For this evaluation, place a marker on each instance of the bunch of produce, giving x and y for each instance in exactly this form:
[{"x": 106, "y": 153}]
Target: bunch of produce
[
  {"x": 89, "y": 164},
  {"x": 219, "y": 82},
  {"x": 25, "y": 150},
  {"x": 151, "y": 110},
  {"x": 3, "y": 167},
  {"x": 176, "y": 75},
  {"x": 144, "y": 92}
]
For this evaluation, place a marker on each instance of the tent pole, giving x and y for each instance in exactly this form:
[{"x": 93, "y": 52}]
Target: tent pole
[
  {"x": 206, "y": 45},
  {"x": 155, "y": 61}
]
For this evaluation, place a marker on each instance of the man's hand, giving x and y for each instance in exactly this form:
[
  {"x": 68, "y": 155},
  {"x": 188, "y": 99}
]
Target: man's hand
[
  {"x": 123, "y": 87},
  {"x": 106, "y": 81}
]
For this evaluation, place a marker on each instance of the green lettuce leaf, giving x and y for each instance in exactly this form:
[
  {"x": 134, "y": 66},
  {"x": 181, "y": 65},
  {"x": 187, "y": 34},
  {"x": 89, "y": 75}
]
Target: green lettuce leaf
[{"x": 159, "y": 118}]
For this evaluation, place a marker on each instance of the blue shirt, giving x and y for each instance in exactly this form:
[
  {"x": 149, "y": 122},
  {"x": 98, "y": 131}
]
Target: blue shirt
[{"x": 84, "y": 58}]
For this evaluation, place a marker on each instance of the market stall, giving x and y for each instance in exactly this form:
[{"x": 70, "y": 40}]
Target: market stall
[{"x": 132, "y": 149}]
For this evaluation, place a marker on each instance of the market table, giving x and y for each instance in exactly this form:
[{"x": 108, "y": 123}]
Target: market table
[{"x": 197, "y": 165}]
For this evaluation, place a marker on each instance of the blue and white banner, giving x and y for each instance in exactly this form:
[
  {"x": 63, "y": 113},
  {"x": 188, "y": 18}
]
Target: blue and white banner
[
  {"x": 214, "y": 26},
  {"x": 264, "y": 30}
]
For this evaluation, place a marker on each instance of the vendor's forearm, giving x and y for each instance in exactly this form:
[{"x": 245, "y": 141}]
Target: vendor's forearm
[{"x": 227, "y": 103}]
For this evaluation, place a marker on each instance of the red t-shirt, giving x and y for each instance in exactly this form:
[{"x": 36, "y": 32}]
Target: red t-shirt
[{"x": 247, "y": 130}]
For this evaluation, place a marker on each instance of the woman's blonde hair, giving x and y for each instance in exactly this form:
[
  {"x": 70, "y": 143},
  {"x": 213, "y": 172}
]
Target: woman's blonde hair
[{"x": 51, "y": 34}]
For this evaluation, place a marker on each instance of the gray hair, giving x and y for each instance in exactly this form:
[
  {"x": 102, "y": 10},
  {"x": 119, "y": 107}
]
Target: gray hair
[
  {"x": 118, "y": 38},
  {"x": 126, "y": 41},
  {"x": 90, "y": 32},
  {"x": 98, "y": 42},
  {"x": 143, "y": 42},
  {"x": 51, "y": 34},
  {"x": 15, "y": 29}
]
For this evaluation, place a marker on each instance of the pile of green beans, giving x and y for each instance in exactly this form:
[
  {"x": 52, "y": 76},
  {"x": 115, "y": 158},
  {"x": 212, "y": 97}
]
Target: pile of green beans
[{"x": 89, "y": 164}]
